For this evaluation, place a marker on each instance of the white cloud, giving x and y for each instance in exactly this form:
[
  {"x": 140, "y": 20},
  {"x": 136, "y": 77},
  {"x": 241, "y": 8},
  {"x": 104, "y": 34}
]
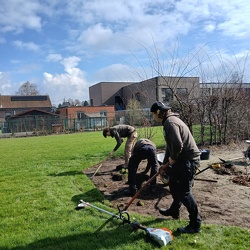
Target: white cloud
[
  {"x": 96, "y": 36},
  {"x": 71, "y": 84},
  {"x": 210, "y": 27},
  {"x": 115, "y": 26},
  {"x": 229, "y": 16},
  {"x": 102, "y": 34},
  {"x": 113, "y": 73},
  {"x": 54, "y": 57},
  {"x": 5, "y": 85},
  {"x": 123, "y": 73},
  {"x": 27, "y": 46},
  {"x": 17, "y": 15}
]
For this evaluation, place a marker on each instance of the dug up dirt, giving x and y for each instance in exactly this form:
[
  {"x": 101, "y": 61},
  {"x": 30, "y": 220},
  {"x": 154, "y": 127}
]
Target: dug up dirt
[{"x": 222, "y": 191}]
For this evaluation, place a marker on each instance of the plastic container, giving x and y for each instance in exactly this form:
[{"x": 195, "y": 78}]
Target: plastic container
[{"x": 205, "y": 154}]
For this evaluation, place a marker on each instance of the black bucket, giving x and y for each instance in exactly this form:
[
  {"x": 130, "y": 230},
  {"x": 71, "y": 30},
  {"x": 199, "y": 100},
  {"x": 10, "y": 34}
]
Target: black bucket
[{"x": 205, "y": 154}]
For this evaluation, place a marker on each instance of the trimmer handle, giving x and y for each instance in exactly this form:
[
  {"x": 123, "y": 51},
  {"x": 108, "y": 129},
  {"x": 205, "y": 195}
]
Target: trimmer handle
[{"x": 137, "y": 225}]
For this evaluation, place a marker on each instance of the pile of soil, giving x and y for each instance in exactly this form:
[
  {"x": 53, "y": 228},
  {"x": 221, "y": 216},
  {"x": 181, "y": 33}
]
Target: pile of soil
[{"x": 222, "y": 194}]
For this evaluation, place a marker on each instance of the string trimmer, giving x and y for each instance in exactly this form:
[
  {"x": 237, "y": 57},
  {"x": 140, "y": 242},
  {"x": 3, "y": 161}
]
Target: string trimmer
[{"x": 161, "y": 235}]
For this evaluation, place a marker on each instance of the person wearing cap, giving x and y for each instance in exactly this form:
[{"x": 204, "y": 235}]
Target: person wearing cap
[
  {"x": 143, "y": 149},
  {"x": 182, "y": 158},
  {"x": 119, "y": 132}
]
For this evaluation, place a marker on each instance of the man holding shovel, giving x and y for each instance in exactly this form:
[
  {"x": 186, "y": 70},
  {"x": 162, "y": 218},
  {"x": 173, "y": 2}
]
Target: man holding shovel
[
  {"x": 119, "y": 132},
  {"x": 181, "y": 160}
]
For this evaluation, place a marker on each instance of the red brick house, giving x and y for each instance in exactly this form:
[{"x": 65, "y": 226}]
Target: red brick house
[{"x": 87, "y": 117}]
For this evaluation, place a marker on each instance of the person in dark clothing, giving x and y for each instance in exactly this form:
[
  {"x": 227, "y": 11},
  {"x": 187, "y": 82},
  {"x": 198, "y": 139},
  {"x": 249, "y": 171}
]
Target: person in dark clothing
[
  {"x": 143, "y": 149},
  {"x": 182, "y": 158},
  {"x": 119, "y": 132}
]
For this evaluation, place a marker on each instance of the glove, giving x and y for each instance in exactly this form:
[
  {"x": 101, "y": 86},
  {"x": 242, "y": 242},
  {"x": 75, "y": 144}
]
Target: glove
[
  {"x": 169, "y": 170},
  {"x": 166, "y": 175}
]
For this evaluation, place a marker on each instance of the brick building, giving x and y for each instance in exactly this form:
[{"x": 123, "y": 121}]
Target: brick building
[
  {"x": 161, "y": 88},
  {"x": 87, "y": 117}
]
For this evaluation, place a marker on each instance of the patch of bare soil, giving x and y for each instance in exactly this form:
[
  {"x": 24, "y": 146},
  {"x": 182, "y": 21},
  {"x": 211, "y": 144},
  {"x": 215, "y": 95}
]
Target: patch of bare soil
[{"x": 222, "y": 193}]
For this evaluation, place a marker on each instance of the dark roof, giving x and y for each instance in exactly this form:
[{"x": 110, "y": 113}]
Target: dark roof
[
  {"x": 33, "y": 112},
  {"x": 39, "y": 101}
]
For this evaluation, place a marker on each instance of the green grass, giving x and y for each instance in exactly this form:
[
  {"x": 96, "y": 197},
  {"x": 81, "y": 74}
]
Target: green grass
[{"x": 41, "y": 182}]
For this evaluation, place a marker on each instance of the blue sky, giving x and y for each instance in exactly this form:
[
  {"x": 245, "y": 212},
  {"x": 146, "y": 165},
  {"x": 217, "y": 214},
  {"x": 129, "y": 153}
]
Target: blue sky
[{"x": 66, "y": 46}]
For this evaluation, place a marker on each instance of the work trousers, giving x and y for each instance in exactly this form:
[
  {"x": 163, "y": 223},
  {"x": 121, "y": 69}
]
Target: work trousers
[
  {"x": 129, "y": 146},
  {"x": 180, "y": 185},
  {"x": 145, "y": 152}
]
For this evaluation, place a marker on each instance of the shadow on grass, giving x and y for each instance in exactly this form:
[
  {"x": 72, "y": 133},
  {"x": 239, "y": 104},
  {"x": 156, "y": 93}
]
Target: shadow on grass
[
  {"x": 112, "y": 234},
  {"x": 93, "y": 195},
  {"x": 88, "y": 240},
  {"x": 117, "y": 237},
  {"x": 68, "y": 173}
]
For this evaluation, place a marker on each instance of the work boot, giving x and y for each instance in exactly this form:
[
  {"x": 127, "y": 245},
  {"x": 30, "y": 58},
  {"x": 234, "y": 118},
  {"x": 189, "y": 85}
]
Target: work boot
[
  {"x": 188, "y": 230},
  {"x": 152, "y": 189},
  {"x": 119, "y": 167},
  {"x": 168, "y": 212},
  {"x": 130, "y": 191}
]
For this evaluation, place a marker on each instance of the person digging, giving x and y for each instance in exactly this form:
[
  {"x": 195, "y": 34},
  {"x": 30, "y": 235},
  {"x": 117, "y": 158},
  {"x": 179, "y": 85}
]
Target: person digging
[
  {"x": 143, "y": 149},
  {"x": 181, "y": 160},
  {"x": 119, "y": 132}
]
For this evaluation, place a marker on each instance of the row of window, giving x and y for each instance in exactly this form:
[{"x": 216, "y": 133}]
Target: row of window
[{"x": 82, "y": 115}]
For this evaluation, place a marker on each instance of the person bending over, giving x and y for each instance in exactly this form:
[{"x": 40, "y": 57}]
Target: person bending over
[
  {"x": 119, "y": 132},
  {"x": 143, "y": 149}
]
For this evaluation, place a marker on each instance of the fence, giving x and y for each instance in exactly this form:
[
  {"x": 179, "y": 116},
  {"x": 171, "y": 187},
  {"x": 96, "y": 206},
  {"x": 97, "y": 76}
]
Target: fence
[
  {"x": 48, "y": 124},
  {"x": 40, "y": 125},
  {"x": 43, "y": 124}
]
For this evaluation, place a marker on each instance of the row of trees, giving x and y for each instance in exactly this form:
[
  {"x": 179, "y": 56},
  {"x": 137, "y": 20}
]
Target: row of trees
[
  {"x": 223, "y": 116},
  {"x": 222, "y": 108},
  {"x": 223, "y": 113}
]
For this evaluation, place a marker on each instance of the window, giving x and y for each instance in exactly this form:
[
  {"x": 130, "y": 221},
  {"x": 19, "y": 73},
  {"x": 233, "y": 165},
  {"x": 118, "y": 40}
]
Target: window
[
  {"x": 181, "y": 92},
  {"x": 80, "y": 115},
  {"x": 138, "y": 96},
  {"x": 205, "y": 91},
  {"x": 103, "y": 112},
  {"x": 166, "y": 94}
]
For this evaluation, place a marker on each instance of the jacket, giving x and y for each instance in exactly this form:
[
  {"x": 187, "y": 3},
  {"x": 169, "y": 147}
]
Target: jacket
[
  {"x": 179, "y": 140},
  {"x": 140, "y": 143},
  {"x": 119, "y": 132}
]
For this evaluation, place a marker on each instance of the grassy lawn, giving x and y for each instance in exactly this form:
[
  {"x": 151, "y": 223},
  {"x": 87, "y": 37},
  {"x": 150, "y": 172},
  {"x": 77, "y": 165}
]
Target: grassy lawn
[{"x": 41, "y": 182}]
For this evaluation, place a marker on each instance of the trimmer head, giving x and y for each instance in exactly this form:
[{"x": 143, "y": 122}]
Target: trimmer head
[{"x": 81, "y": 205}]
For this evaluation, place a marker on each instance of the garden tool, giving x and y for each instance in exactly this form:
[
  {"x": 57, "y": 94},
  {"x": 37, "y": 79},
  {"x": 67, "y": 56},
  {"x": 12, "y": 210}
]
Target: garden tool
[
  {"x": 161, "y": 235},
  {"x": 96, "y": 171},
  {"x": 165, "y": 178},
  {"x": 140, "y": 190}
]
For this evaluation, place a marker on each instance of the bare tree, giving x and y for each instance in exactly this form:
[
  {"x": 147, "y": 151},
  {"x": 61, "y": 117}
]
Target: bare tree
[
  {"x": 77, "y": 102},
  {"x": 28, "y": 89},
  {"x": 218, "y": 112},
  {"x": 71, "y": 101},
  {"x": 136, "y": 116}
]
